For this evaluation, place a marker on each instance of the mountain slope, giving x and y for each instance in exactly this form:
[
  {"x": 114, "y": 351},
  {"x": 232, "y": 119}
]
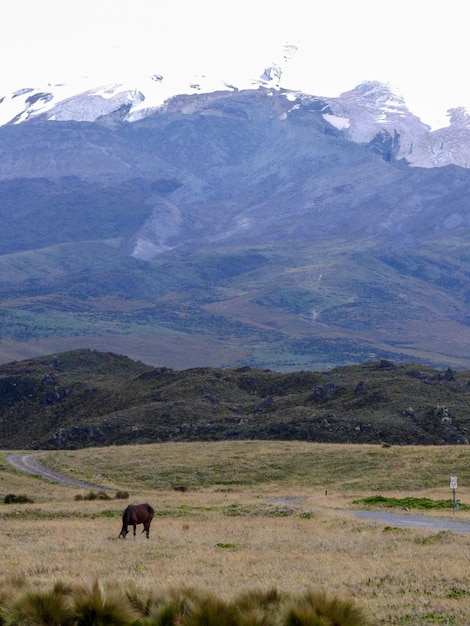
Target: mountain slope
[
  {"x": 371, "y": 109},
  {"x": 230, "y": 228}
]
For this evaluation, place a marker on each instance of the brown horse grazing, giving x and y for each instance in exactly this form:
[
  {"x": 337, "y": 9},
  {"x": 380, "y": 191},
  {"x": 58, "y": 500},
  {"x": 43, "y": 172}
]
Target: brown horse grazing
[{"x": 136, "y": 514}]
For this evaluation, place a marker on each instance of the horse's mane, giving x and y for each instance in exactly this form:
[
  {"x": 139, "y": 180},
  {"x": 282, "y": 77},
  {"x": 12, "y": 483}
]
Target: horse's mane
[{"x": 126, "y": 516}]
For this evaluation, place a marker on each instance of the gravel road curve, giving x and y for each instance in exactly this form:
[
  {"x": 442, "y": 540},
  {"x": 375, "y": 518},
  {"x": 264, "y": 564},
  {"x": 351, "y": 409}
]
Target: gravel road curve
[{"x": 28, "y": 463}]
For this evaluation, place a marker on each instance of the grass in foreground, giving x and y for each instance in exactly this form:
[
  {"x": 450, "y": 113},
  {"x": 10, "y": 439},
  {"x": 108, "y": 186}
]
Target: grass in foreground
[
  {"x": 229, "y": 534},
  {"x": 116, "y": 606}
]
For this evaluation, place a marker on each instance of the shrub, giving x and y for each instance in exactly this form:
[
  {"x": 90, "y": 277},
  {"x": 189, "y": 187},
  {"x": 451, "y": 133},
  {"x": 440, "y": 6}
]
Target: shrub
[
  {"x": 122, "y": 495},
  {"x": 11, "y": 498},
  {"x": 39, "y": 609},
  {"x": 102, "y": 495},
  {"x": 93, "y": 495}
]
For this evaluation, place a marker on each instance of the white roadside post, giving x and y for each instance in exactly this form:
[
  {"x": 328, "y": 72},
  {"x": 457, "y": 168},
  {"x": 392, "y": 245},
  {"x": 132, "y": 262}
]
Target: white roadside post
[{"x": 453, "y": 486}]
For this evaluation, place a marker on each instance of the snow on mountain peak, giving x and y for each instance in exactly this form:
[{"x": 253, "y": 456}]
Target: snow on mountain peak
[
  {"x": 370, "y": 109},
  {"x": 459, "y": 117},
  {"x": 375, "y": 99},
  {"x": 87, "y": 99}
]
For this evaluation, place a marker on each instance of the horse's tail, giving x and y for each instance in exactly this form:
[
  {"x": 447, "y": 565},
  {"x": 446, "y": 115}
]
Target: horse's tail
[{"x": 150, "y": 509}]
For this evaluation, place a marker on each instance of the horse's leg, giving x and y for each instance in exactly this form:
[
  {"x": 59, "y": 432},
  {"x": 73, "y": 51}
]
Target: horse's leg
[
  {"x": 149, "y": 521},
  {"x": 135, "y": 526}
]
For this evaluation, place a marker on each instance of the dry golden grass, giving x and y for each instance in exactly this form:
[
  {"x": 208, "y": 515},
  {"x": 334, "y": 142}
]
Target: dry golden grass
[{"x": 284, "y": 533}]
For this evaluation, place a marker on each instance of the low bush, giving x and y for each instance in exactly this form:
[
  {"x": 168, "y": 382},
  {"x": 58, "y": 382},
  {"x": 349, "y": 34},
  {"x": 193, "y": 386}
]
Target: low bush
[
  {"x": 92, "y": 495},
  {"x": 11, "y": 498},
  {"x": 122, "y": 495}
]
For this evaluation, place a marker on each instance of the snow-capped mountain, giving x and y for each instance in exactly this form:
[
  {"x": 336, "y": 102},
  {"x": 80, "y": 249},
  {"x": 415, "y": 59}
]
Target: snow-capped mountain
[
  {"x": 85, "y": 101},
  {"x": 233, "y": 218},
  {"x": 371, "y": 109}
]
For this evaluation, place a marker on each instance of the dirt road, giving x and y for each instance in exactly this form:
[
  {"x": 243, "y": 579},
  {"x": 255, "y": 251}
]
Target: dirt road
[
  {"x": 415, "y": 521},
  {"x": 28, "y": 463}
]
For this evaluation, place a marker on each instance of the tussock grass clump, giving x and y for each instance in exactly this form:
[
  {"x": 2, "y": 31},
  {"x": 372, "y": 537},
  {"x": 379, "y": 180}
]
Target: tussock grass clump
[
  {"x": 260, "y": 607},
  {"x": 213, "y": 611},
  {"x": 38, "y": 608},
  {"x": 101, "y": 606},
  {"x": 10, "y": 587},
  {"x": 171, "y": 608},
  {"x": 256, "y": 598},
  {"x": 98, "y": 605},
  {"x": 315, "y": 608}
]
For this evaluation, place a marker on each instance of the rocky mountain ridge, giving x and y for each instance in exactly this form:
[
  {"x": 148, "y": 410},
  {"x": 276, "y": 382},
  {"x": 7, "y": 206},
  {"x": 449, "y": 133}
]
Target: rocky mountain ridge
[
  {"x": 371, "y": 109},
  {"x": 86, "y": 398}
]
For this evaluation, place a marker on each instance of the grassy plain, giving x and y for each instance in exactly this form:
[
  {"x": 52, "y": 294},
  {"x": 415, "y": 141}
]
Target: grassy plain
[{"x": 235, "y": 516}]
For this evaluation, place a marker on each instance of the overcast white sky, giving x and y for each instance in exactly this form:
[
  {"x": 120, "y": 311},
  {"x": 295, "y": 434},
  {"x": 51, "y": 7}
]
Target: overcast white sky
[{"x": 421, "y": 47}]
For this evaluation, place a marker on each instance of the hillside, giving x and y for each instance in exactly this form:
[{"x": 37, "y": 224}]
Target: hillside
[
  {"x": 86, "y": 398},
  {"x": 231, "y": 229}
]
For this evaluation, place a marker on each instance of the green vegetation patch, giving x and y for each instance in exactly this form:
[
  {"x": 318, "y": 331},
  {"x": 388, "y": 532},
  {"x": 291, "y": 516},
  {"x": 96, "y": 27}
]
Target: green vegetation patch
[
  {"x": 226, "y": 546},
  {"x": 439, "y": 537},
  {"x": 457, "y": 593},
  {"x": 410, "y": 503}
]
